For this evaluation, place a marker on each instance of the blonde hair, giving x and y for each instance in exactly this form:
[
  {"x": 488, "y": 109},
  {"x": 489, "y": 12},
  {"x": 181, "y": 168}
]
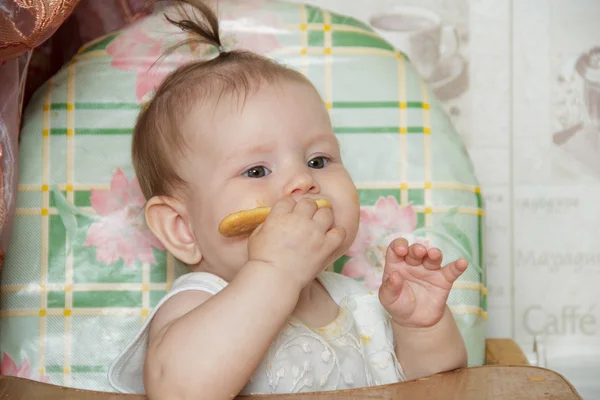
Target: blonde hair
[{"x": 157, "y": 138}]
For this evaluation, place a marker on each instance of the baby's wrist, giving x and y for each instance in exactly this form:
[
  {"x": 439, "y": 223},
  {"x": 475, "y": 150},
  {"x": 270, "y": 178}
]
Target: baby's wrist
[
  {"x": 276, "y": 275},
  {"x": 415, "y": 328}
]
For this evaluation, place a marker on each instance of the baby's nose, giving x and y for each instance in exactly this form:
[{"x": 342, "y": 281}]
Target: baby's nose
[{"x": 301, "y": 184}]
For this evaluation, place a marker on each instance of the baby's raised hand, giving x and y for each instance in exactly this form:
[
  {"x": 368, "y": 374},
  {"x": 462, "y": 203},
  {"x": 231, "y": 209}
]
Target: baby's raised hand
[
  {"x": 415, "y": 288},
  {"x": 297, "y": 238}
]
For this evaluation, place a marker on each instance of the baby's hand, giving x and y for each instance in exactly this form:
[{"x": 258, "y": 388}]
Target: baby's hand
[
  {"x": 415, "y": 289},
  {"x": 297, "y": 239}
]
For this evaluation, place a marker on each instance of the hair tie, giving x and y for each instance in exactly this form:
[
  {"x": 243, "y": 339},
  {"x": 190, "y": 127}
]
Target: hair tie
[{"x": 147, "y": 99}]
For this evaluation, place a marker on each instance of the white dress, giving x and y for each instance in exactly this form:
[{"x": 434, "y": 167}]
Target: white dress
[{"x": 355, "y": 350}]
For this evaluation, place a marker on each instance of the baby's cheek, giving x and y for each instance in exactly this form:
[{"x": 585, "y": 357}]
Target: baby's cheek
[
  {"x": 246, "y": 204},
  {"x": 356, "y": 198},
  {"x": 351, "y": 215}
]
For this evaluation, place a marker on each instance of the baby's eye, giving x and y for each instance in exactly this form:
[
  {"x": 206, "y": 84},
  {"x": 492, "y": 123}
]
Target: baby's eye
[
  {"x": 318, "y": 162},
  {"x": 257, "y": 172}
]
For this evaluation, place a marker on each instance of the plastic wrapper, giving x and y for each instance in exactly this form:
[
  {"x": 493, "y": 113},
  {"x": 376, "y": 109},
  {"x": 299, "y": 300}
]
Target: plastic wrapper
[
  {"x": 83, "y": 269},
  {"x": 23, "y": 26},
  {"x": 90, "y": 20},
  {"x": 11, "y": 81}
]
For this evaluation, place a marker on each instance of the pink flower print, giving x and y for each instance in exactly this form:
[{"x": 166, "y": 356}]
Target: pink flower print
[
  {"x": 8, "y": 367},
  {"x": 134, "y": 50},
  {"x": 394, "y": 217},
  {"x": 379, "y": 226},
  {"x": 120, "y": 231}
]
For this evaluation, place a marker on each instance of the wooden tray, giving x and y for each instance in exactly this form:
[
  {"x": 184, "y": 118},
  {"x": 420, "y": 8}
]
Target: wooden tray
[
  {"x": 507, "y": 376},
  {"x": 492, "y": 382}
]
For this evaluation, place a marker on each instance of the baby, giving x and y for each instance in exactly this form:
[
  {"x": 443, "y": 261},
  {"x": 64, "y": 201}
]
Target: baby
[{"x": 258, "y": 313}]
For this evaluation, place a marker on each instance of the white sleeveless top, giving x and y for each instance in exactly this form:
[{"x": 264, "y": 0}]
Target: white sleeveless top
[{"x": 355, "y": 350}]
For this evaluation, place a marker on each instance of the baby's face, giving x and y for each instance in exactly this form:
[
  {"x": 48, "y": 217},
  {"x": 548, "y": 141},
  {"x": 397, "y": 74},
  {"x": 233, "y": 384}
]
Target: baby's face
[{"x": 279, "y": 143}]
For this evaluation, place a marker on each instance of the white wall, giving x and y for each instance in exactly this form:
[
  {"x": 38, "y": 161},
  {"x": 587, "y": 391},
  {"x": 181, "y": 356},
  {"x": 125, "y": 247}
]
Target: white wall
[{"x": 520, "y": 105}]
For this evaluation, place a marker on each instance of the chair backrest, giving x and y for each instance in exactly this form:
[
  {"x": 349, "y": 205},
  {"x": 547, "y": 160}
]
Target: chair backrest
[{"x": 72, "y": 297}]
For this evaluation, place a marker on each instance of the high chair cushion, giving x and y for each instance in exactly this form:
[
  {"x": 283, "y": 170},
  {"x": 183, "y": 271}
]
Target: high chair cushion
[{"x": 82, "y": 272}]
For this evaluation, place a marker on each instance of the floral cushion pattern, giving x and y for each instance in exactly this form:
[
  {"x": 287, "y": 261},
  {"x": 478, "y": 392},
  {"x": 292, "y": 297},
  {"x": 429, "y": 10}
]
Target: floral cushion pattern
[{"x": 83, "y": 272}]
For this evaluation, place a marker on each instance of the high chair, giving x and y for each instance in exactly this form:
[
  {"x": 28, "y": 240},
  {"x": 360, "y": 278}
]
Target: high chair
[{"x": 69, "y": 304}]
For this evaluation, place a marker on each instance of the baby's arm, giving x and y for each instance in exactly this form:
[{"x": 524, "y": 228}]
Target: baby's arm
[
  {"x": 414, "y": 292},
  {"x": 208, "y": 347}
]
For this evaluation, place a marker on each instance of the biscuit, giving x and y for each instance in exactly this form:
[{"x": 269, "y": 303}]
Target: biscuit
[{"x": 245, "y": 221}]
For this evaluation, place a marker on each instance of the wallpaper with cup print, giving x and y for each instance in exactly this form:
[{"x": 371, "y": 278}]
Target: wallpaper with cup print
[{"x": 521, "y": 80}]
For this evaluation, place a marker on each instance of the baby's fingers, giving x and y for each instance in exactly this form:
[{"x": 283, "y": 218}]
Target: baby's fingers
[
  {"x": 324, "y": 218},
  {"x": 284, "y": 205},
  {"x": 433, "y": 261},
  {"x": 415, "y": 255},
  {"x": 455, "y": 269},
  {"x": 396, "y": 251},
  {"x": 333, "y": 240},
  {"x": 306, "y": 207}
]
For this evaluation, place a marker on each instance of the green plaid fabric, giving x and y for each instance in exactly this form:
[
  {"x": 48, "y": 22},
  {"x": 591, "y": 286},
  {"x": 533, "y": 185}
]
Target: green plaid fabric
[{"x": 68, "y": 314}]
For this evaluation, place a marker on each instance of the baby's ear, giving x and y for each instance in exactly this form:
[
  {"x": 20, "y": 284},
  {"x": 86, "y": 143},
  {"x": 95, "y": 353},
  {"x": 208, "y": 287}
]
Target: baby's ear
[{"x": 166, "y": 218}]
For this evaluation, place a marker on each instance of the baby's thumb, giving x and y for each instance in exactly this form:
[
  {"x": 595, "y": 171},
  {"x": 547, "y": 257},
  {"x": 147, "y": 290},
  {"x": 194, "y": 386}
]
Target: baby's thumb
[
  {"x": 252, "y": 236},
  {"x": 256, "y": 230},
  {"x": 390, "y": 289}
]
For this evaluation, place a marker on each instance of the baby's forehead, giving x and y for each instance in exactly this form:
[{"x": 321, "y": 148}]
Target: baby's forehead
[
  {"x": 239, "y": 123},
  {"x": 210, "y": 112},
  {"x": 227, "y": 145}
]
